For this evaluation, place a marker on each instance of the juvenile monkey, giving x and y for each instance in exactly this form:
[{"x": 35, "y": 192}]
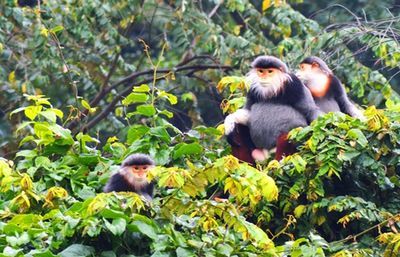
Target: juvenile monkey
[
  {"x": 326, "y": 89},
  {"x": 132, "y": 176}
]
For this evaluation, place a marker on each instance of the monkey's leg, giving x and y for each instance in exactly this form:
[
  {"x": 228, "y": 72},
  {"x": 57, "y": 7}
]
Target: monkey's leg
[
  {"x": 284, "y": 147},
  {"x": 242, "y": 146}
]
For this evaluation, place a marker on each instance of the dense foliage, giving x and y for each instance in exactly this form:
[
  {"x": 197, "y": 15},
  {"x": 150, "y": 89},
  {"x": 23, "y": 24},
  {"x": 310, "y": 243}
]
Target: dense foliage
[{"x": 85, "y": 83}]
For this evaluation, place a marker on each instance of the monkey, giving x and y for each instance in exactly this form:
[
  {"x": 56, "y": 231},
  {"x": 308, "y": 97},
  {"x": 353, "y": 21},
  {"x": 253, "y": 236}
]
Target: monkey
[
  {"x": 328, "y": 93},
  {"x": 132, "y": 176},
  {"x": 276, "y": 103}
]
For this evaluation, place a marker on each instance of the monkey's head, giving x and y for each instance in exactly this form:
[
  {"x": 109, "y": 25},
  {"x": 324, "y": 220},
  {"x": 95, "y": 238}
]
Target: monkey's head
[
  {"x": 268, "y": 76},
  {"x": 315, "y": 74},
  {"x": 135, "y": 168}
]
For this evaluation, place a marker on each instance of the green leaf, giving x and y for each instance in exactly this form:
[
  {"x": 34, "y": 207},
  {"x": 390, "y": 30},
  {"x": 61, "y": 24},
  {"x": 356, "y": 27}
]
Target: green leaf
[
  {"x": 109, "y": 254},
  {"x": 146, "y": 110},
  {"x": 62, "y": 133},
  {"x": 77, "y": 250},
  {"x": 57, "y": 29},
  {"x": 170, "y": 97},
  {"x": 27, "y": 153},
  {"x": 20, "y": 109},
  {"x": 11, "y": 252},
  {"x": 117, "y": 227},
  {"x": 38, "y": 253},
  {"x": 144, "y": 225},
  {"x": 161, "y": 133},
  {"x": 42, "y": 161},
  {"x": 359, "y": 136},
  {"x": 160, "y": 254},
  {"x": 135, "y": 98},
  {"x": 183, "y": 252},
  {"x": 144, "y": 88},
  {"x": 136, "y": 132},
  {"x": 87, "y": 106},
  {"x": 168, "y": 114},
  {"x": 32, "y": 111},
  {"x": 113, "y": 214},
  {"x": 25, "y": 221},
  {"x": 187, "y": 149},
  {"x": 49, "y": 115},
  {"x": 26, "y": 139},
  {"x": 18, "y": 240},
  {"x": 224, "y": 249},
  {"x": 88, "y": 159},
  {"x": 57, "y": 112}
]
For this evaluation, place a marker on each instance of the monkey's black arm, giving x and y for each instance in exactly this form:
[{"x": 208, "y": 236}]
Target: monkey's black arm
[
  {"x": 250, "y": 100},
  {"x": 301, "y": 99},
  {"x": 116, "y": 183},
  {"x": 345, "y": 105},
  {"x": 147, "y": 191}
]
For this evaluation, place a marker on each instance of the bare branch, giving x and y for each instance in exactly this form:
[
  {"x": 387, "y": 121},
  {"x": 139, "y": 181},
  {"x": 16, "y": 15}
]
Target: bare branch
[{"x": 103, "y": 114}]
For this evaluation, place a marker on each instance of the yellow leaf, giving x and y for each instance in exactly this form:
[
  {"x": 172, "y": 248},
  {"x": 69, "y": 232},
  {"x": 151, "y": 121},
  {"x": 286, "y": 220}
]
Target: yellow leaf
[
  {"x": 269, "y": 189},
  {"x": 228, "y": 184},
  {"x": 231, "y": 162},
  {"x": 24, "y": 88},
  {"x": 321, "y": 220},
  {"x": 22, "y": 201},
  {"x": 5, "y": 168},
  {"x": 299, "y": 210},
  {"x": 44, "y": 32},
  {"x": 274, "y": 164},
  {"x": 97, "y": 204},
  {"x": 112, "y": 139},
  {"x": 266, "y": 4},
  {"x": 32, "y": 111},
  {"x": 278, "y": 2},
  {"x": 221, "y": 130},
  {"x": 26, "y": 182},
  {"x": 57, "y": 112},
  {"x": 11, "y": 77},
  {"x": 236, "y": 30},
  {"x": 52, "y": 193}
]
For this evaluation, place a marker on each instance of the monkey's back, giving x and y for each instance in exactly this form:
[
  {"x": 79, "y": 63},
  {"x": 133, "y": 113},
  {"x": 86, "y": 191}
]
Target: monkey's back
[
  {"x": 327, "y": 104},
  {"x": 269, "y": 120}
]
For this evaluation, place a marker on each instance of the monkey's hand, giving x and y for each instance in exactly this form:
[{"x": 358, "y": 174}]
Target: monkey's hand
[
  {"x": 241, "y": 116},
  {"x": 260, "y": 154},
  {"x": 357, "y": 113}
]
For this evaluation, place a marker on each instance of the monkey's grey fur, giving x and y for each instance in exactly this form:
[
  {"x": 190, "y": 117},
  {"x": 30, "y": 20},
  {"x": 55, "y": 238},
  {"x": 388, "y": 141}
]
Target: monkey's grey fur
[{"x": 269, "y": 120}]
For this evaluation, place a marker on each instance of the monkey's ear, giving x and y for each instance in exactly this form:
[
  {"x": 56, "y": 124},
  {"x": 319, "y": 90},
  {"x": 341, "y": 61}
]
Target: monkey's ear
[{"x": 315, "y": 65}]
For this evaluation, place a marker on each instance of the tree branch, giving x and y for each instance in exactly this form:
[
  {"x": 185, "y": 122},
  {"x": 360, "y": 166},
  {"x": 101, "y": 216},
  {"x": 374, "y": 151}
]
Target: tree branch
[{"x": 103, "y": 114}]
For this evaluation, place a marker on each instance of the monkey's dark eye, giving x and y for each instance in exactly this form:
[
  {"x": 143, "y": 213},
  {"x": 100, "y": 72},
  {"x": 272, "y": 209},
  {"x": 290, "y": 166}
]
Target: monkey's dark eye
[{"x": 270, "y": 71}]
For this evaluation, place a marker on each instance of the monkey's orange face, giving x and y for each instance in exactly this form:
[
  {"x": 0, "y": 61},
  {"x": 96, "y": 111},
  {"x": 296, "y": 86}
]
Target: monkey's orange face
[
  {"x": 140, "y": 171},
  {"x": 314, "y": 78},
  {"x": 308, "y": 67},
  {"x": 267, "y": 82},
  {"x": 269, "y": 73}
]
